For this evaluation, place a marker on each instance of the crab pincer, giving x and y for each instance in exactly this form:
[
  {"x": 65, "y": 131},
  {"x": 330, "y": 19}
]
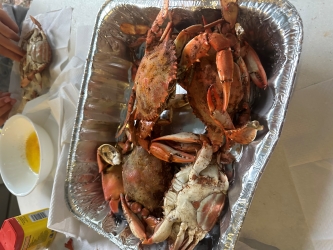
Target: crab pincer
[
  {"x": 134, "y": 222},
  {"x": 254, "y": 66},
  {"x": 108, "y": 161},
  {"x": 200, "y": 47}
]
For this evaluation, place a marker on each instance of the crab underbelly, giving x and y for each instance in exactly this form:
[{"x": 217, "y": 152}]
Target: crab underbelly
[
  {"x": 40, "y": 52},
  {"x": 197, "y": 209},
  {"x": 195, "y": 193}
]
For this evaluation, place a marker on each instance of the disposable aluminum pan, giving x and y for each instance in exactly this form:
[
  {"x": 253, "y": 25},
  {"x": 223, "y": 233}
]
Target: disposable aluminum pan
[{"x": 272, "y": 27}]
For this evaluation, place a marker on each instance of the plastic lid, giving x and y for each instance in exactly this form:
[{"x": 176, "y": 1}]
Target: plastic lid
[{"x": 11, "y": 235}]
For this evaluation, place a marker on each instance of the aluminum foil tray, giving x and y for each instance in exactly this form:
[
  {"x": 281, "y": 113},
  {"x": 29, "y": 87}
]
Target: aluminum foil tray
[{"x": 272, "y": 27}]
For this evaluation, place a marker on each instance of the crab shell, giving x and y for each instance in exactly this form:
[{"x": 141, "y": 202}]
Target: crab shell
[
  {"x": 146, "y": 178},
  {"x": 38, "y": 55},
  {"x": 154, "y": 82},
  {"x": 193, "y": 203}
]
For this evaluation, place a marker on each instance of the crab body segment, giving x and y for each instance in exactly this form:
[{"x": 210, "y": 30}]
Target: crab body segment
[
  {"x": 194, "y": 201},
  {"x": 38, "y": 55}
]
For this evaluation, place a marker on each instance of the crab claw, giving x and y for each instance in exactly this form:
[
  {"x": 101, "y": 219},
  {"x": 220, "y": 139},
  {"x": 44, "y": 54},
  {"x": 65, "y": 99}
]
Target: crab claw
[
  {"x": 168, "y": 154},
  {"x": 246, "y": 134},
  {"x": 194, "y": 50},
  {"x": 134, "y": 222},
  {"x": 181, "y": 137},
  {"x": 222, "y": 118},
  {"x": 109, "y": 154},
  {"x": 185, "y": 36},
  {"x": 112, "y": 183},
  {"x": 256, "y": 70},
  {"x": 162, "y": 230},
  {"x": 225, "y": 69}
]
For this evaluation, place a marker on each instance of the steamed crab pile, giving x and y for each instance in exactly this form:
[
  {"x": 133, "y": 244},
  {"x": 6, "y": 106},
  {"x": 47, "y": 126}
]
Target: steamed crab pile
[{"x": 173, "y": 187}]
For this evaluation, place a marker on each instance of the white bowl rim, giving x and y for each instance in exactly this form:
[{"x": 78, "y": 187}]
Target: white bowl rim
[{"x": 36, "y": 129}]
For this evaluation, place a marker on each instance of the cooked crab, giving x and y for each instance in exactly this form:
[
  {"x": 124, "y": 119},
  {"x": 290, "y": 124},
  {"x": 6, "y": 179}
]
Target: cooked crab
[
  {"x": 38, "y": 55},
  {"x": 154, "y": 82},
  {"x": 194, "y": 202}
]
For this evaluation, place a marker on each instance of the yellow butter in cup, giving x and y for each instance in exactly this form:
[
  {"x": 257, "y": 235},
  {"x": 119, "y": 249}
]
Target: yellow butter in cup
[{"x": 33, "y": 152}]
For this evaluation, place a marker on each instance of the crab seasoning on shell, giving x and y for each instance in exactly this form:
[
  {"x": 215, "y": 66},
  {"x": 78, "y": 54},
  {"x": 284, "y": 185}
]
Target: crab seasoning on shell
[
  {"x": 37, "y": 58},
  {"x": 207, "y": 63}
]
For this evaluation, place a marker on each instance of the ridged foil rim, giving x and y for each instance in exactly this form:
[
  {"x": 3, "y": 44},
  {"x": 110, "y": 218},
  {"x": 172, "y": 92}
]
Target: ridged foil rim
[{"x": 288, "y": 20}]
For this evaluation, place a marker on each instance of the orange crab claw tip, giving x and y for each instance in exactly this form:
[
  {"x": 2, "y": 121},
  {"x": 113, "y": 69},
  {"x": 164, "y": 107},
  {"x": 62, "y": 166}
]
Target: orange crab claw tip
[
  {"x": 185, "y": 137},
  {"x": 114, "y": 206},
  {"x": 148, "y": 241}
]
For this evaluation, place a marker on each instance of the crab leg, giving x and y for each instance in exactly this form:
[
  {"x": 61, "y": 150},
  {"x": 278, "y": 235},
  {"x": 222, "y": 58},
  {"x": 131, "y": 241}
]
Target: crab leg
[
  {"x": 163, "y": 230},
  {"x": 202, "y": 161},
  {"x": 112, "y": 183},
  {"x": 236, "y": 92},
  {"x": 189, "y": 240},
  {"x": 181, "y": 137},
  {"x": 186, "y": 35},
  {"x": 225, "y": 69},
  {"x": 195, "y": 242},
  {"x": 245, "y": 76},
  {"x": 158, "y": 22},
  {"x": 245, "y": 114},
  {"x": 130, "y": 106},
  {"x": 246, "y": 134},
  {"x": 170, "y": 154},
  {"x": 180, "y": 236},
  {"x": 108, "y": 161},
  {"x": 134, "y": 222},
  {"x": 222, "y": 118},
  {"x": 36, "y": 22},
  {"x": 199, "y": 47},
  {"x": 254, "y": 66}
]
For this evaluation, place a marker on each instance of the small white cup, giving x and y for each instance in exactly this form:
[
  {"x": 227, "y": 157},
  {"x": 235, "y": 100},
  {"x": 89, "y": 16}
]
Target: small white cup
[{"x": 19, "y": 179}]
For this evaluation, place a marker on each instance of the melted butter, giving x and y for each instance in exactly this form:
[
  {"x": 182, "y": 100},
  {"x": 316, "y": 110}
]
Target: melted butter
[{"x": 32, "y": 152}]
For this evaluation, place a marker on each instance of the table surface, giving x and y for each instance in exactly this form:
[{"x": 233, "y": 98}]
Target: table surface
[{"x": 276, "y": 216}]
